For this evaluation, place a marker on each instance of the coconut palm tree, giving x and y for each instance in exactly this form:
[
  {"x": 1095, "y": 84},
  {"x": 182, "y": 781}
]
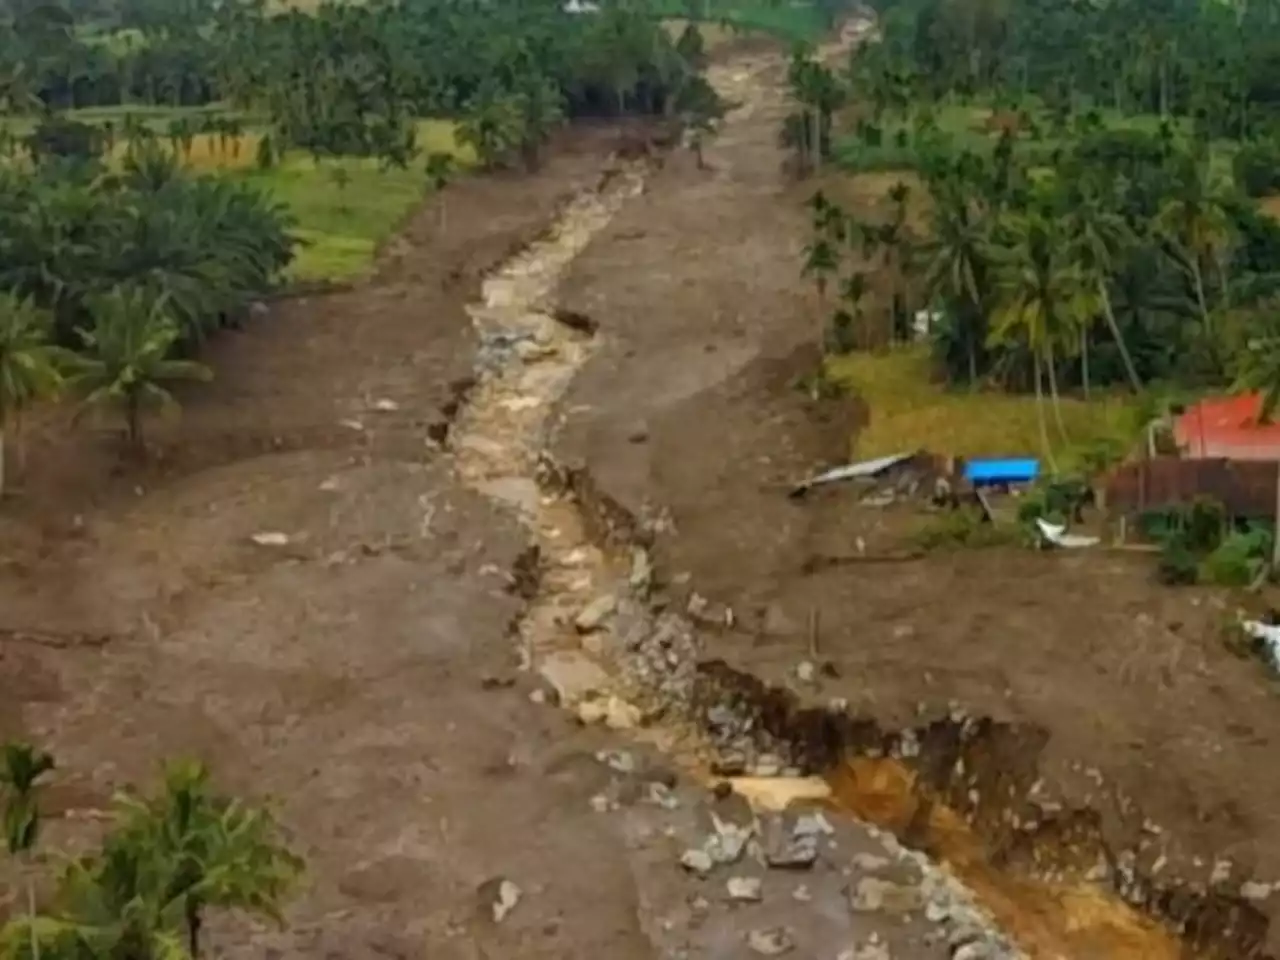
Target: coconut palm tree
[
  {"x": 1041, "y": 299},
  {"x": 1099, "y": 237},
  {"x": 21, "y": 768},
  {"x": 127, "y": 359},
  {"x": 168, "y": 859},
  {"x": 29, "y": 365},
  {"x": 216, "y": 851},
  {"x": 1195, "y": 224}
]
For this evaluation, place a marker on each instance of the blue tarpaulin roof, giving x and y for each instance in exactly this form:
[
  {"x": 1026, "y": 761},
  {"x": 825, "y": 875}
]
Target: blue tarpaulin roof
[{"x": 1002, "y": 470}]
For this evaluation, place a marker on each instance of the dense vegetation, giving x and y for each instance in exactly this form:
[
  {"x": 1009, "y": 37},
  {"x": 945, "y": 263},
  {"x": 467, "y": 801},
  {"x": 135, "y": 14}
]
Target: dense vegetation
[
  {"x": 1073, "y": 198},
  {"x": 116, "y": 261}
]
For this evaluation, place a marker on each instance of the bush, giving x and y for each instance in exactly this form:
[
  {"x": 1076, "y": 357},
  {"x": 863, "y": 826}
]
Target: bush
[
  {"x": 1178, "y": 566},
  {"x": 965, "y": 527},
  {"x": 1240, "y": 559}
]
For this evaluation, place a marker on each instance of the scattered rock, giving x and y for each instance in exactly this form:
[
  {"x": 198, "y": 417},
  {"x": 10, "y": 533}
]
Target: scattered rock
[
  {"x": 873, "y": 949},
  {"x": 270, "y": 538},
  {"x": 873, "y": 895},
  {"x": 638, "y": 435},
  {"x": 659, "y": 794},
  {"x": 504, "y": 896},
  {"x": 805, "y": 671},
  {"x": 744, "y": 889},
  {"x": 614, "y": 712},
  {"x": 771, "y": 942},
  {"x": 812, "y": 825},
  {"x": 869, "y": 862},
  {"x": 797, "y": 853},
  {"x": 801, "y": 894},
  {"x": 385, "y": 406},
  {"x": 729, "y": 842},
  {"x": 595, "y": 613},
  {"x": 619, "y": 760},
  {"x": 731, "y": 763},
  {"x": 1253, "y": 890},
  {"x": 573, "y": 677},
  {"x": 697, "y": 861},
  {"x": 767, "y": 765},
  {"x": 641, "y": 578}
]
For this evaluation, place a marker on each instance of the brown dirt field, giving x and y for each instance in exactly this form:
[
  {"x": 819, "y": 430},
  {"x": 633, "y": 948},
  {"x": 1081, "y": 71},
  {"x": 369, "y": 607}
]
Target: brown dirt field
[
  {"x": 689, "y": 407},
  {"x": 343, "y": 673}
]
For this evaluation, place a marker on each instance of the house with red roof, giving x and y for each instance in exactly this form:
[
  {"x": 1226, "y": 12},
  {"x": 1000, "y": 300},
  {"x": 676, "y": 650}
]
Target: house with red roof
[{"x": 1227, "y": 428}]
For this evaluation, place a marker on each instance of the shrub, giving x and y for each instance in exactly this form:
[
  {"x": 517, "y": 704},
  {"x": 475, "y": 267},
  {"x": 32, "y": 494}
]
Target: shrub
[
  {"x": 1178, "y": 566},
  {"x": 965, "y": 527}
]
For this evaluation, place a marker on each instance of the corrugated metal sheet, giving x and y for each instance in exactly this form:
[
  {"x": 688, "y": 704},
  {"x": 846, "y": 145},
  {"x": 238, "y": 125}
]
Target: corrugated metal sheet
[{"x": 1247, "y": 488}]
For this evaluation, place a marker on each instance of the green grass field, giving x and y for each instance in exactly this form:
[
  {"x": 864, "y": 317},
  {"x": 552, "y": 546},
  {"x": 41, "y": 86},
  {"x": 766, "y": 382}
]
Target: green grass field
[
  {"x": 909, "y": 411},
  {"x": 340, "y": 228}
]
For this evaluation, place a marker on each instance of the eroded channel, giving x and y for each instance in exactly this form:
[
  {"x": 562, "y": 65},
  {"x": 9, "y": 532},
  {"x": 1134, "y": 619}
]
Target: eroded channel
[{"x": 615, "y": 653}]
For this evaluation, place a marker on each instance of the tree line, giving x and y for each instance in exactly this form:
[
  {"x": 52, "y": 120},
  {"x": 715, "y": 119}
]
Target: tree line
[
  {"x": 1094, "y": 252},
  {"x": 115, "y": 264}
]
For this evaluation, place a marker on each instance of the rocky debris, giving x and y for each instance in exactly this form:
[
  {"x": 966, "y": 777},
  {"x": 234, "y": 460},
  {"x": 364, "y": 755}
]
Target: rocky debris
[
  {"x": 614, "y": 712},
  {"x": 502, "y": 896},
  {"x": 573, "y": 677},
  {"x": 697, "y": 861},
  {"x": 617, "y": 760},
  {"x": 661, "y": 795},
  {"x": 729, "y": 841},
  {"x": 771, "y": 942},
  {"x": 744, "y": 889},
  {"x": 872, "y": 949},
  {"x": 594, "y": 614},
  {"x": 874, "y": 895},
  {"x": 794, "y": 849},
  {"x": 641, "y": 576},
  {"x": 1254, "y": 890}
]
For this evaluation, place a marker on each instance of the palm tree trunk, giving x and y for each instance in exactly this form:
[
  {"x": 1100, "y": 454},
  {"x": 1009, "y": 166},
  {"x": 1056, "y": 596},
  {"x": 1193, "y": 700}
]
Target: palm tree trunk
[
  {"x": 2, "y": 478},
  {"x": 1084, "y": 359},
  {"x": 1044, "y": 423},
  {"x": 133, "y": 421},
  {"x": 1129, "y": 368},
  {"x": 1053, "y": 394}
]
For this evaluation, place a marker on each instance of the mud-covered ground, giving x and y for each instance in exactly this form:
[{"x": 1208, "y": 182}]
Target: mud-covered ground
[
  {"x": 300, "y": 588},
  {"x": 361, "y": 665},
  {"x": 1124, "y": 698}
]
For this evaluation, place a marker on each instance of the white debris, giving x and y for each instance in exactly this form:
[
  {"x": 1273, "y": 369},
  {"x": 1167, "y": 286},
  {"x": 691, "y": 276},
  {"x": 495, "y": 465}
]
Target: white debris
[{"x": 508, "y": 896}]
